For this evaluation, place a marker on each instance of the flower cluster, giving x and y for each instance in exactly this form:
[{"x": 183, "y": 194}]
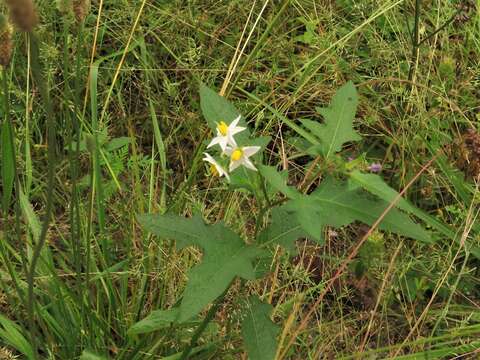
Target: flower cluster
[{"x": 238, "y": 155}]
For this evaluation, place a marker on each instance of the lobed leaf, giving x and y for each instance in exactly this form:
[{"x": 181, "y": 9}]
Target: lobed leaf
[
  {"x": 284, "y": 229},
  {"x": 376, "y": 185},
  {"x": 335, "y": 204},
  {"x": 259, "y": 332},
  {"x": 337, "y": 128},
  {"x": 278, "y": 182},
  {"x": 226, "y": 256},
  {"x": 216, "y": 108}
]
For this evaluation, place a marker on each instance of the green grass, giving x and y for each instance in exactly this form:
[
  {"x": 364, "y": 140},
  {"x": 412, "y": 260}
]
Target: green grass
[{"x": 126, "y": 131}]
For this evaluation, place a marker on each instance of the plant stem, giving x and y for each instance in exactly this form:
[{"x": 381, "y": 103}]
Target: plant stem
[
  {"x": 17, "y": 184},
  {"x": 201, "y": 328},
  {"x": 415, "y": 39},
  {"x": 50, "y": 124},
  {"x": 440, "y": 28}
]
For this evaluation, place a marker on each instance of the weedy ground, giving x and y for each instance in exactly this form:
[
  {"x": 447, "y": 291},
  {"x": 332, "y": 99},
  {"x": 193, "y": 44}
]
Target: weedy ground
[{"x": 397, "y": 298}]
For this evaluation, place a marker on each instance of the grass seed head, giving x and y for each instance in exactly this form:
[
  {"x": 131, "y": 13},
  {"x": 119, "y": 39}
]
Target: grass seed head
[
  {"x": 23, "y": 14},
  {"x": 80, "y": 9},
  {"x": 65, "y": 6},
  {"x": 5, "y": 41},
  {"x": 469, "y": 154}
]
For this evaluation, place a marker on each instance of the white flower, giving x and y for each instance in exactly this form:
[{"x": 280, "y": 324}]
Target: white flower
[
  {"x": 215, "y": 167},
  {"x": 225, "y": 134},
  {"x": 240, "y": 156}
]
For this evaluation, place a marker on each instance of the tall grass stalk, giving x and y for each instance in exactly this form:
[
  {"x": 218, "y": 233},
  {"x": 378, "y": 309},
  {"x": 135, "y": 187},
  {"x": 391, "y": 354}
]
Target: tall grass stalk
[{"x": 42, "y": 85}]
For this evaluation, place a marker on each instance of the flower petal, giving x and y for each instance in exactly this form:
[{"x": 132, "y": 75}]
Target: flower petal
[
  {"x": 208, "y": 158},
  {"x": 250, "y": 150},
  {"x": 248, "y": 164},
  {"x": 234, "y": 165},
  {"x": 236, "y": 130},
  {"x": 229, "y": 150},
  {"x": 234, "y": 123},
  {"x": 216, "y": 140},
  {"x": 231, "y": 141}
]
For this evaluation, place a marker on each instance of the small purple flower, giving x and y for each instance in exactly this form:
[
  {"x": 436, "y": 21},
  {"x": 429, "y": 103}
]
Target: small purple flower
[
  {"x": 350, "y": 158},
  {"x": 375, "y": 167}
]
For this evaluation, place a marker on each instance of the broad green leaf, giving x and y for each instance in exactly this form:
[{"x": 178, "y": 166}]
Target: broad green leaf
[
  {"x": 157, "y": 320},
  {"x": 8, "y": 164},
  {"x": 337, "y": 128},
  {"x": 216, "y": 108},
  {"x": 284, "y": 229},
  {"x": 12, "y": 335},
  {"x": 259, "y": 332},
  {"x": 276, "y": 180},
  {"x": 225, "y": 257},
  {"x": 374, "y": 184},
  {"x": 335, "y": 204}
]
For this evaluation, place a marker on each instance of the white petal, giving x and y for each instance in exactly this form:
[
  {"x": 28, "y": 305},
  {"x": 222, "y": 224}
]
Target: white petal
[
  {"x": 234, "y": 165},
  {"x": 250, "y": 150},
  {"x": 248, "y": 164},
  {"x": 231, "y": 141},
  {"x": 234, "y": 123},
  {"x": 223, "y": 143},
  {"x": 208, "y": 158},
  {"x": 236, "y": 130},
  {"x": 216, "y": 140},
  {"x": 229, "y": 150},
  {"x": 226, "y": 175}
]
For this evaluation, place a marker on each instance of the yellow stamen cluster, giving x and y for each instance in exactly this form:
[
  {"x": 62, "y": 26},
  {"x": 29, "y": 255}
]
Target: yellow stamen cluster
[
  {"x": 214, "y": 171},
  {"x": 222, "y": 128},
  {"x": 236, "y": 154}
]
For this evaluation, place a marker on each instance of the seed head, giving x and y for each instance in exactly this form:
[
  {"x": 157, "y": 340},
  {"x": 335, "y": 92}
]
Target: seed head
[
  {"x": 469, "y": 154},
  {"x": 65, "y": 6},
  {"x": 5, "y": 41},
  {"x": 80, "y": 9},
  {"x": 23, "y": 14}
]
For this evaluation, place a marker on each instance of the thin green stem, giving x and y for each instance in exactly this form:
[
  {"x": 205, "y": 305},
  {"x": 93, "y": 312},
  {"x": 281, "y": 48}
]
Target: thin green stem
[
  {"x": 448, "y": 22},
  {"x": 415, "y": 40},
  {"x": 50, "y": 125}
]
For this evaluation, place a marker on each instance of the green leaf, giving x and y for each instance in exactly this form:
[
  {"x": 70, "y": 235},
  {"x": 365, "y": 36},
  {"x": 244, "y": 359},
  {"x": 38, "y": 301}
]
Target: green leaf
[
  {"x": 278, "y": 182},
  {"x": 259, "y": 332},
  {"x": 284, "y": 229},
  {"x": 11, "y": 334},
  {"x": 225, "y": 257},
  {"x": 216, "y": 108},
  {"x": 32, "y": 218},
  {"x": 157, "y": 320},
  {"x": 88, "y": 355},
  {"x": 337, "y": 128},
  {"x": 335, "y": 204},
  {"x": 374, "y": 184},
  {"x": 118, "y": 143},
  {"x": 8, "y": 164}
]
